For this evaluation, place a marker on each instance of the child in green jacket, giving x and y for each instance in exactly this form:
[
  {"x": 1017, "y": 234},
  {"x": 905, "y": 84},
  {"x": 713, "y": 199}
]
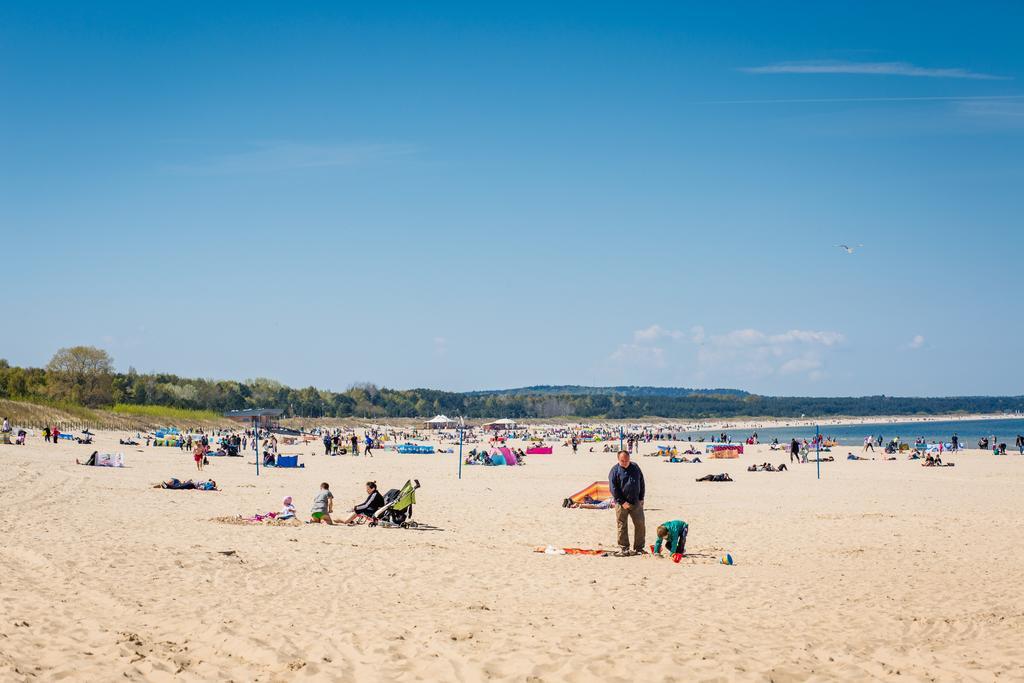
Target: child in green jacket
[{"x": 673, "y": 536}]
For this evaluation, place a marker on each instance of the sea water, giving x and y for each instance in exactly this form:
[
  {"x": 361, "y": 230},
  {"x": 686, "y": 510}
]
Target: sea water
[{"x": 969, "y": 431}]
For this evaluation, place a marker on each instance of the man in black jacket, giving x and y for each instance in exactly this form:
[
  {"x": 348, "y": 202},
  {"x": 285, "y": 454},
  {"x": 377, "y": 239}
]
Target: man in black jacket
[{"x": 626, "y": 482}]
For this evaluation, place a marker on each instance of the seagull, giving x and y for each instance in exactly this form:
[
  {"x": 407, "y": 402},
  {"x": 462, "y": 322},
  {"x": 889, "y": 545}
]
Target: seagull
[{"x": 848, "y": 249}]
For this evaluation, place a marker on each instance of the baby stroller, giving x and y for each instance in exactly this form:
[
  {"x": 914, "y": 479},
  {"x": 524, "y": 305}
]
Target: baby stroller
[{"x": 397, "y": 510}]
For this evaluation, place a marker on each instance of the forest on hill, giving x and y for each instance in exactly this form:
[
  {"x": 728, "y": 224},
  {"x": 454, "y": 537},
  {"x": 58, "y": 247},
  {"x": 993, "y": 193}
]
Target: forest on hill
[{"x": 85, "y": 376}]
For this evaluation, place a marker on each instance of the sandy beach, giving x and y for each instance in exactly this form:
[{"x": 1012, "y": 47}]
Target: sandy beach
[{"x": 880, "y": 570}]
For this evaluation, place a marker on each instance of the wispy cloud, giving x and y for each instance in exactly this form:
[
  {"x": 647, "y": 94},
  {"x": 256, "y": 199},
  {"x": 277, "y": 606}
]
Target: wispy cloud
[
  {"x": 827, "y": 100},
  {"x": 1009, "y": 113},
  {"x": 440, "y": 346},
  {"x": 284, "y": 155},
  {"x": 917, "y": 342},
  {"x": 870, "y": 69}
]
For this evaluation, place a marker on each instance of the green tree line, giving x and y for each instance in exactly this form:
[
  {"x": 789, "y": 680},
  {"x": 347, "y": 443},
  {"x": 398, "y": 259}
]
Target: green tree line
[{"x": 86, "y": 376}]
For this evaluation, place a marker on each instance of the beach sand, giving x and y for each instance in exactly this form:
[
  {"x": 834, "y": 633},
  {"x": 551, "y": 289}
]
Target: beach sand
[{"x": 879, "y": 570}]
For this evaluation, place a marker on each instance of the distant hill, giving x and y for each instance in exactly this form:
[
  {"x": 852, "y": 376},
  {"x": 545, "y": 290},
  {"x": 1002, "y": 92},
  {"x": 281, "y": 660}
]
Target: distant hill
[{"x": 577, "y": 390}]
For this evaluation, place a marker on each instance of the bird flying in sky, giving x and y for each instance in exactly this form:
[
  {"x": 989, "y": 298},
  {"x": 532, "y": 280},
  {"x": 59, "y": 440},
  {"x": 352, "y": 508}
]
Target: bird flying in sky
[{"x": 848, "y": 249}]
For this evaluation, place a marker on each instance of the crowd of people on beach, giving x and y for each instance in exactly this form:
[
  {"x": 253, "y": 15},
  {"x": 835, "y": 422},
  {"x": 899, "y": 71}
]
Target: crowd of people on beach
[{"x": 625, "y": 479}]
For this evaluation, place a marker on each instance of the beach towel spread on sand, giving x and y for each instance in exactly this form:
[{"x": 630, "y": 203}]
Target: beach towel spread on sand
[{"x": 552, "y": 550}]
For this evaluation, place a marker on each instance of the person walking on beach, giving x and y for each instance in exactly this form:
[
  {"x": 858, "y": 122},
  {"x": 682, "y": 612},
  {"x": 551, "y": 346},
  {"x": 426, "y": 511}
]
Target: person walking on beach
[
  {"x": 46, "y": 434},
  {"x": 1020, "y": 443},
  {"x": 955, "y": 441},
  {"x": 626, "y": 482},
  {"x": 355, "y": 444},
  {"x": 868, "y": 446},
  {"x": 368, "y": 445},
  {"x": 575, "y": 444},
  {"x": 794, "y": 451},
  {"x": 198, "y": 454}
]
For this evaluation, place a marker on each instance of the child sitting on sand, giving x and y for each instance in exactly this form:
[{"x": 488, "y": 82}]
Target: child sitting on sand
[
  {"x": 323, "y": 506},
  {"x": 287, "y": 509},
  {"x": 673, "y": 536}
]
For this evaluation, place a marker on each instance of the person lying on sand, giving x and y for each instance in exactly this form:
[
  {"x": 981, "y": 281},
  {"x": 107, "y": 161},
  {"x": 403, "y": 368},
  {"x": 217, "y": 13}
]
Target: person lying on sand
[
  {"x": 851, "y": 456},
  {"x": 91, "y": 461},
  {"x": 323, "y": 506},
  {"x": 187, "y": 485},
  {"x": 368, "y": 508},
  {"x": 673, "y": 536},
  {"x": 589, "y": 503},
  {"x": 767, "y": 467},
  {"x": 715, "y": 477}
]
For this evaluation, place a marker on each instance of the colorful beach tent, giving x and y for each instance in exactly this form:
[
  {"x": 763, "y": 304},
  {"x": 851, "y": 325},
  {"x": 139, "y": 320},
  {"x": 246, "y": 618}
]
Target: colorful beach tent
[
  {"x": 503, "y": 456},
  {"x": 599, "y": 490},
  {"x": 540, "y": 450}
]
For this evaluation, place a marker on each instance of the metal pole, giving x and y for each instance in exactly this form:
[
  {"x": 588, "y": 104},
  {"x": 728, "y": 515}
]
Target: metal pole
[
  {"x": 256, "y": 442},
  {"x": 461, "y": 425},
  {"x": 817, "y": 441},
  {"x": 620, "y": 438}
]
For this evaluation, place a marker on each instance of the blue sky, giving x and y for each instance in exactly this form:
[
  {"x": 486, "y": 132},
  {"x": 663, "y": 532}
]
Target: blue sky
[{"x": 473, "y": 196}]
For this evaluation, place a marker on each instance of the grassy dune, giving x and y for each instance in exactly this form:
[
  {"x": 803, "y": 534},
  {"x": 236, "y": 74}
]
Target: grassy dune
[{"x": 69, "y": 418}]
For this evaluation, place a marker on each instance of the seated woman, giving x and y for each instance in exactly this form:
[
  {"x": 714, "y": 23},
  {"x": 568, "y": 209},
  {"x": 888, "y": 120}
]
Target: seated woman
[{"x": 368, "y": 508}]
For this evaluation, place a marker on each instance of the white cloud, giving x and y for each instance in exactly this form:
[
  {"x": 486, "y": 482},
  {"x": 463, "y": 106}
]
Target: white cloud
[
  {"x": 799, "y": 365},
  {"x": 870, "y": 69},
  {"x": 756, "y": 354},
  {"x": 917, "y": 342},
  {"x": 639, "y": 355},
  {"x": 285, "y": 155},
  {"x": 440, "y": 346},
  {"x": 736, "y": 355},
  {"x": 751, "y": 337},
  {"x": 656, "y": 332}
]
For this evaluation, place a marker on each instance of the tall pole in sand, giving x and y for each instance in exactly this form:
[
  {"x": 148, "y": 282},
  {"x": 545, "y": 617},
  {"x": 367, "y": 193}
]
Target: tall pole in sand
[
  {"x": 620, "y": 438},
  {"x": 461, "y": 426},
  {"x": 817, "y": 441},
  {"x": 256, "y": 442}
]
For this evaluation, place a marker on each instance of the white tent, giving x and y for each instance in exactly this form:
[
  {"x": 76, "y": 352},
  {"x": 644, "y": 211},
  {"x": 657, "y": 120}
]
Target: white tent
[
  {"x": 501, "y": 424},
  {"x": 440, "y": 422}
]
